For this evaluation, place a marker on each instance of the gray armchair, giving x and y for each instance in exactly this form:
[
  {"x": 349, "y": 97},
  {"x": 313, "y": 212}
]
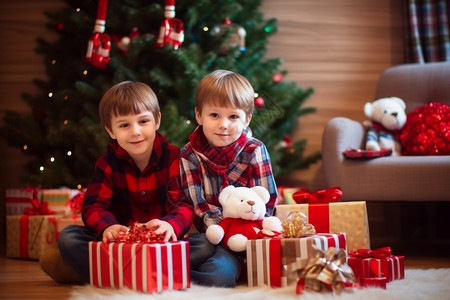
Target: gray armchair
[{"x": 391, "y": 178}]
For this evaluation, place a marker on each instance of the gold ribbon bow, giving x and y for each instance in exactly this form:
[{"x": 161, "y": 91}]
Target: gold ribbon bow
[{"x": 326, "y": 271}]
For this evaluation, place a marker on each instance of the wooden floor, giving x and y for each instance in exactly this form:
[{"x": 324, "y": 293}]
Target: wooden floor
[{"x": 23, "y": 279}]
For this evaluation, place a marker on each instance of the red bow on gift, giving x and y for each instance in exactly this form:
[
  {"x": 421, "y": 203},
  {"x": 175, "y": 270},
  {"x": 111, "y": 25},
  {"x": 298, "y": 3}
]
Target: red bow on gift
[
  {"x": 333, "y": 194},
  {"x": 38, "y": 209},
  {"x": 382, "y": 252}
]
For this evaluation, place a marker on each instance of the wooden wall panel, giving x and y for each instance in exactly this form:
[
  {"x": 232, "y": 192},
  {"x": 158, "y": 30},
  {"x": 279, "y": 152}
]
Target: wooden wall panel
[{"x": 339, "y": 48}]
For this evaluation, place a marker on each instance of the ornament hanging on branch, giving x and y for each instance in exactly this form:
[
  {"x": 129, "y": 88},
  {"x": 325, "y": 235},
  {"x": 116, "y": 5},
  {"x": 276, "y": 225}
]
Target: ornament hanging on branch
[
  {"x": 171, "y": 31},
  {"x": 123, "y": 42},
  {"x": 233, "y": 34},
  {"x": 99, "y": 45}
]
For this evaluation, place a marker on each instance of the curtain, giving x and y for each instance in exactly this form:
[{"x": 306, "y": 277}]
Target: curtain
[{"x": 427, "y": 27}]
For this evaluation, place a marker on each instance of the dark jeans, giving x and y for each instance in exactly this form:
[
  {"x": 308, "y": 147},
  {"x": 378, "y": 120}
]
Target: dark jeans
[{"x": 213, "y": 265}]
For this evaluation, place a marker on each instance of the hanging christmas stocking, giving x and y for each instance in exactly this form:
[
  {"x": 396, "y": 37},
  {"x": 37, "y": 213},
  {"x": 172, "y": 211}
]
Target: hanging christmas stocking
[
  {"x": 99, "y": 44},
  {"x": 171, "y": 30}
]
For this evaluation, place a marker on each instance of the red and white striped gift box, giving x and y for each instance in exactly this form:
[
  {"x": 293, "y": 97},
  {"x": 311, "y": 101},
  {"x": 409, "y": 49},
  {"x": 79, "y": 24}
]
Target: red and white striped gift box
[
  {"x": 147, "y": 268},
  {"x": 392, "y": 267},
  {"x": 270, "y": 261}
]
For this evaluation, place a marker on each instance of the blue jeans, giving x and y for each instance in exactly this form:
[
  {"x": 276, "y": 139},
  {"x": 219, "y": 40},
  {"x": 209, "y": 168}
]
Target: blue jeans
[
  {"x": 73, "y": 242},
  {"x": 213, "y": 265}
]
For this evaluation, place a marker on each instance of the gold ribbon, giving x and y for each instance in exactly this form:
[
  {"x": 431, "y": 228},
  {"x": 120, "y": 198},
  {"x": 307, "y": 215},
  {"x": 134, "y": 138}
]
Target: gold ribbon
[
  {"x": 296, "y": 225},
  {"x": 326, "y": 271}
]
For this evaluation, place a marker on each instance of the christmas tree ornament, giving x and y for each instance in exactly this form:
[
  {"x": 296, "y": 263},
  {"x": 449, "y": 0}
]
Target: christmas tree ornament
[
  {"x": 123, "y": 42},
  {"x": 59, "y": 27},
  {"x": 259, "y": 102},
  {"x": 171, "y": 31},
  {"x": 277, "y": 77},
  {"x": 233, "y": 34},
  {"x": 99, "y": 45}
]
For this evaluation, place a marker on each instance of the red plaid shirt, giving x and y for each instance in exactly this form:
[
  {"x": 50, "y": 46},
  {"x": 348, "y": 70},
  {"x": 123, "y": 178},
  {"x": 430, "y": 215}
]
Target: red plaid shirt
[{"x": 120, "y": 193}]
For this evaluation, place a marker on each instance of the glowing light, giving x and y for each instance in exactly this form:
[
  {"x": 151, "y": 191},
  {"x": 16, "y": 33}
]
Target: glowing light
[
  {"x": 69, "y": 153},
  {"x": 78, "y": 9},
  {"x": 50, "y": 94},
  {"x": 256, "y": 95},
  {"x": 66, "y": 122},
  {"x": 79, "y": 186},
  {"x": 188, "y": 122},
  {"x": 53, "y": 61},
  {"x": 25, "y": 147},
  {"x": 205, "y": 28},
  {"x": 41, "y": 168},
  {"x": 52, "y": 159},
  {"x": 85, "y": 72}
]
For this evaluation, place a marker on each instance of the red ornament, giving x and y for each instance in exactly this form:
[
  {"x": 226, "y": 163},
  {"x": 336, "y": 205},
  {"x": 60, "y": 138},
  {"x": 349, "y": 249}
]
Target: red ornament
[
  {"x": 172, "y": 29},
  {"x": 427, "y": 131},
  {"x": 259, "y": 102},
  {"x": 60, "y": 27},
  {"x": 277, "y": 77},
  {"x": 99, "y": 44}
]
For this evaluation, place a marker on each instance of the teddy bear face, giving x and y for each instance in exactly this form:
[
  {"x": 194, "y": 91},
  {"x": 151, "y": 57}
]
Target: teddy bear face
[
  {"x": 389, "y": 112},
  {"x": 245, "y": 203}
]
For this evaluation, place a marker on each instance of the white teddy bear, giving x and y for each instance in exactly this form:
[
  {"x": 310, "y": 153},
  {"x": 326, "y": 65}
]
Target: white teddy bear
[
  {"x": 243, "y": 211},
  {"x": 387, "y": 116}
]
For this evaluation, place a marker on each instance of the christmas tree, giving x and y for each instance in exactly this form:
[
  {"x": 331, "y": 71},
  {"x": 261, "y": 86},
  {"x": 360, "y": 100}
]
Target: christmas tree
[{"x": 166, "y": 46}]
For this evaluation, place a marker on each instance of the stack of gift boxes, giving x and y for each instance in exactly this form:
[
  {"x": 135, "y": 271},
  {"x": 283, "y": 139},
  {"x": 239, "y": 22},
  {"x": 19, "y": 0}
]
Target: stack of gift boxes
[
  {"x": 34, "y": 218},
  {"x": 279, "y": 261},
  {"x": 154, "y": 267}
]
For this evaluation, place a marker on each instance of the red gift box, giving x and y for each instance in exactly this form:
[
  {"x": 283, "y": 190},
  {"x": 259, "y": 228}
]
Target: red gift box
[
  {"x": 148, "y": 268},
  {"x": 276, "y": 262},
  {"x": 376, "y": 264},
  {"x": 29, "y": 236}
]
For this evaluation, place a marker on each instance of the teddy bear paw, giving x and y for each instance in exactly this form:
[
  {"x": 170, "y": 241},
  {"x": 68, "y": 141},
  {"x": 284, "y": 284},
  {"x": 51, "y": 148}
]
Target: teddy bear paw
[{"x": 237, "y": 243}]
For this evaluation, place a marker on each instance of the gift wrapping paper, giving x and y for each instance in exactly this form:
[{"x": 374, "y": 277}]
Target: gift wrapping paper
[
  {"x": 392, "y": 267},
  {"x": 57, "y": 198},
  {"x": 277, "y": 262},
  {"x": 29, "y": 236},
  {"x": 19, "y": 199},
  {"x": 148, "y": 268},
  {"x": 335, "y": 217}
]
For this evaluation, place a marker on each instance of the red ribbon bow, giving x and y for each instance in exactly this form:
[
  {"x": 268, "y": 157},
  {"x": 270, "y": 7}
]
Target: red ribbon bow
[
  {"x": 382, "y": 252},
  {"x": 333, "y": 194},
  {"x": 38, "y": 209}
]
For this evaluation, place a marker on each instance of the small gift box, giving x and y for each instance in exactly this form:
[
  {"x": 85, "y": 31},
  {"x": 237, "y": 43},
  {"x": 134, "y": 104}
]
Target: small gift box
[
  {"x": 285, "y": 194},
  {"x": 19, "y": 199},
  {"x": 333, "y": 217},
  {"x": 276, "y": 261},
  {"x": 143, "y": 267},
  {"x": 29, "y": 236},
  {"x": 379, "y": 263},
  {"x": 58, "y": 198}
]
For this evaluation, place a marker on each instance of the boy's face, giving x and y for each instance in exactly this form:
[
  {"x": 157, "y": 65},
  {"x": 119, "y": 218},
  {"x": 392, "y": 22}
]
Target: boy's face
[
  {"x": 222, "y": 125},
  {"x": 135, "y": 134}
]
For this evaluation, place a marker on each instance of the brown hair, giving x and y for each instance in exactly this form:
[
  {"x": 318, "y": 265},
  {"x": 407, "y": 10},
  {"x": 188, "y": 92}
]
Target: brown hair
[
  {"x": 225, "y": 88},
  {"x": 125, "y": 98}
]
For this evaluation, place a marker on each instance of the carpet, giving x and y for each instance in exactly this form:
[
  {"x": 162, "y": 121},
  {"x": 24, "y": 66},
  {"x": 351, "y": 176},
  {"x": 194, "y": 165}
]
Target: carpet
[{"x": 418, "y": 284}]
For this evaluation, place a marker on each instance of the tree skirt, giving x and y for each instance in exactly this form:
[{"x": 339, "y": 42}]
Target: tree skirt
[{"x": 418, "y": 284}]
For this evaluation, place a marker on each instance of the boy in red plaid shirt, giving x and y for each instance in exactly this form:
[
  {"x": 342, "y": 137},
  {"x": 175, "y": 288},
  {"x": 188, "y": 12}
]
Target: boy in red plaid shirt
[
  {"x": 221, "y": 152},
  {"x": 137, "y": 180}
]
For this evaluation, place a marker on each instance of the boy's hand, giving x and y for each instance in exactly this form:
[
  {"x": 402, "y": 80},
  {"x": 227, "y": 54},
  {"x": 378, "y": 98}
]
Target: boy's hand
[
  {"x": 113, "y": 232},
  {"x": 163, "y": 228}
]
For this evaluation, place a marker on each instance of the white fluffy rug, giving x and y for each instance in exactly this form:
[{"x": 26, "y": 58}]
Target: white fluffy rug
[{"x": 418, "y": 284}]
